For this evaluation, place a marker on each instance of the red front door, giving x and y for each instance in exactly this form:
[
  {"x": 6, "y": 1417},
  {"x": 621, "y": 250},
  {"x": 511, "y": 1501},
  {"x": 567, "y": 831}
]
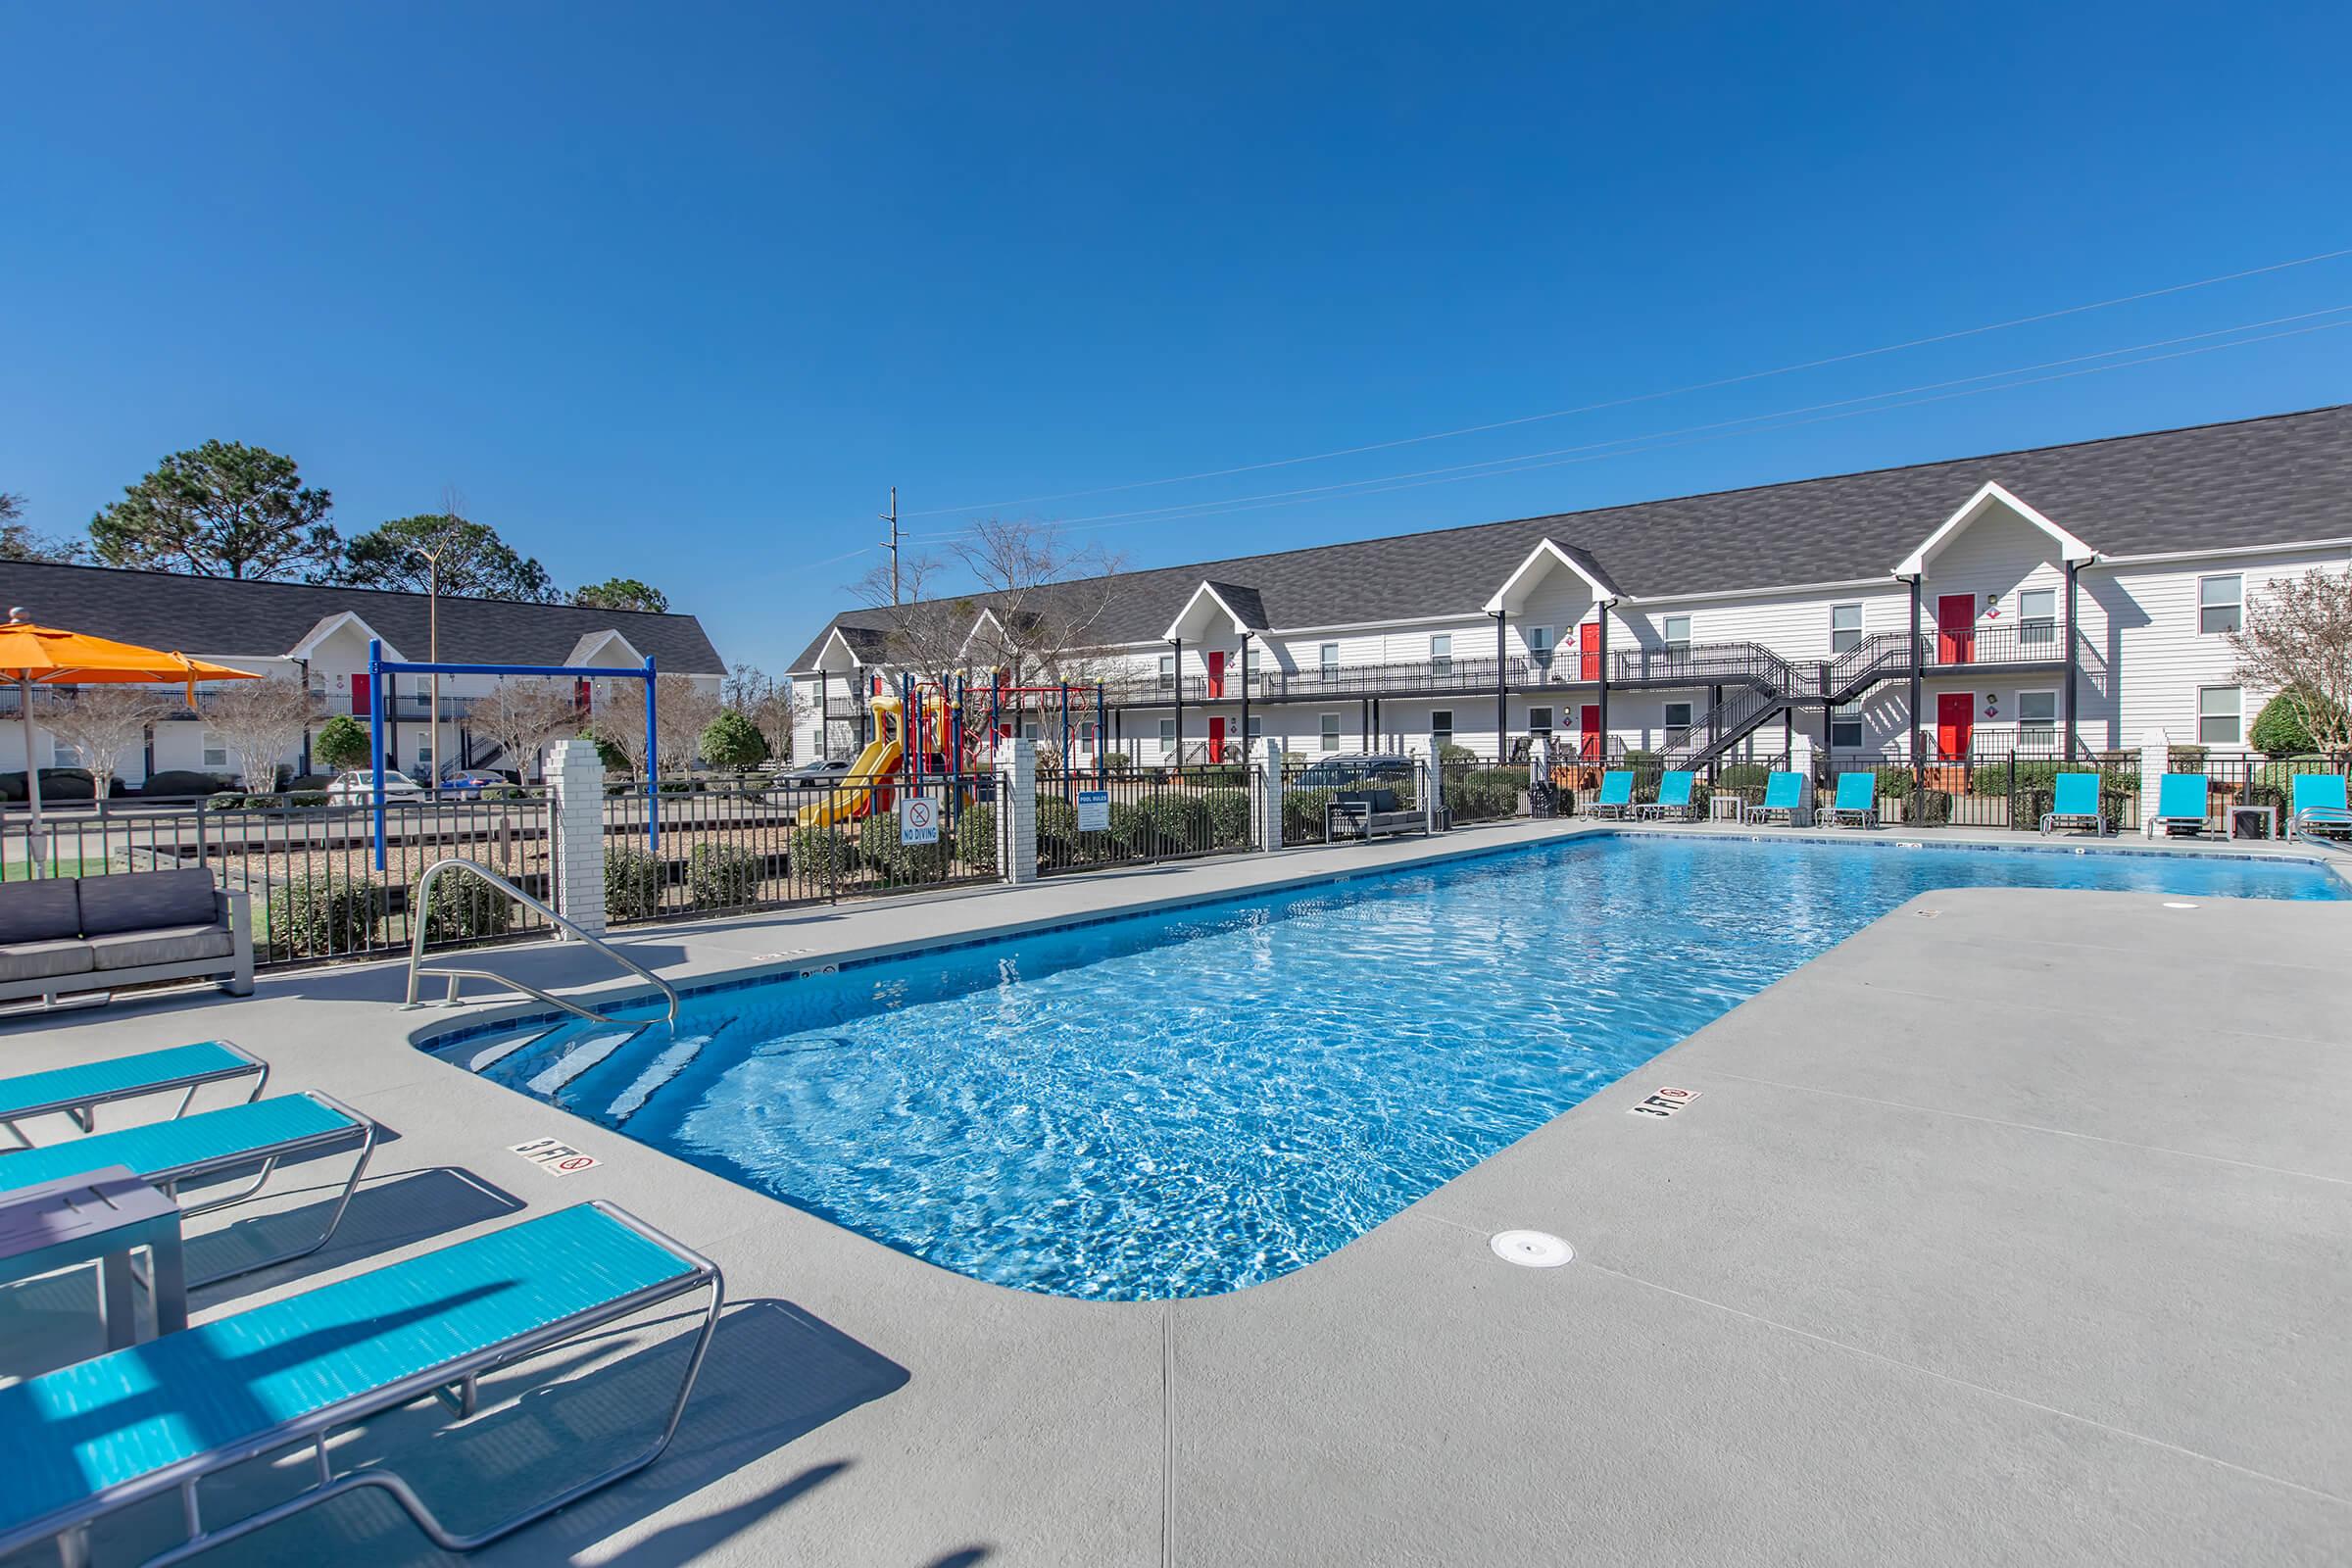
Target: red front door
[
  {"x": 1217, "y": 674},
  {"x": 1587, "y": 651},
  {"x": 1955, "y": 628},
  {"x": 358, "y": 695},
  {"x": 1588, "y": 732},
  {"x": 1955, "y": 724},
  {"x": 1216, "y": 734}
]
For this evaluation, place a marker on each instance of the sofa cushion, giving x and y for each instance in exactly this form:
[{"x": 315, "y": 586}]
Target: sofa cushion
[
  {"x": 39, "y": 911},
  {"x": 176, "y": 944},
  {"x": 146, "y": 901},
  {"x": 39, "y": 961}
]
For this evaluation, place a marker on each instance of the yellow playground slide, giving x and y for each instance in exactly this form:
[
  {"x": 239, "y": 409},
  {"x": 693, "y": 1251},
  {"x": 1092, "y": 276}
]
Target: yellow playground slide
[{"x": 880, "y": 760}]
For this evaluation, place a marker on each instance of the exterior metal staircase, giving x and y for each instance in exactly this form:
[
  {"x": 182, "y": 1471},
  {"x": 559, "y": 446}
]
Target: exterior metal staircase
[{"x": 1764, "y": 685}]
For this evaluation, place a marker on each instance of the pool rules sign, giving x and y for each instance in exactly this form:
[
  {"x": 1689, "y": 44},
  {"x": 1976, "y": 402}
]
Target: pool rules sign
[{"x": 918, "y": 821}]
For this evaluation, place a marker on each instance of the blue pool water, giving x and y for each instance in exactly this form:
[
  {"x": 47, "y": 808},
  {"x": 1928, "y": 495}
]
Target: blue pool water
[{"x": 1189, "y": 1102}]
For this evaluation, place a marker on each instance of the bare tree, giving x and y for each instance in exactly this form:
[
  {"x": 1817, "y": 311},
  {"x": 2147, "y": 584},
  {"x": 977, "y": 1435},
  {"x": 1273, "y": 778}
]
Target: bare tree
[
  {"x": 2297, "y": 640},
  {"x": 683, "y": 709},
  {"x": 101, "y": 724},
  {"x": 261, "y": 721},
  {"x": 927, "y": 629},
  {"x": 524, "y": 715}
]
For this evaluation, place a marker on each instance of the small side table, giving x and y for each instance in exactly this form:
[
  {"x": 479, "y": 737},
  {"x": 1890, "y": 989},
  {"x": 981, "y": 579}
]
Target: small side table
[
  {"x": 103, "y": 1216},
  {"x": 1725, "y": 808},
  {"x": 2265, "y": 815}
]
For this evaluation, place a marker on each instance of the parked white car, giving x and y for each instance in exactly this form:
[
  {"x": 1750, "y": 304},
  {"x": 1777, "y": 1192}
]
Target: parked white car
[{"x": 357, "y": 788}]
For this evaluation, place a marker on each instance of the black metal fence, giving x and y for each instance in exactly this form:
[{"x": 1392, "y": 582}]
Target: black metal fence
[
  {"x": 1089, "y": 820},
  {"x": 307, "y": 862}
]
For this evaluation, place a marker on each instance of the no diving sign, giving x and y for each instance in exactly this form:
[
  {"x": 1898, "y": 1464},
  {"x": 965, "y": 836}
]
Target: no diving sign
[
  {"x": 555, "y": 1157},
  {"x": 918, "y": 821},
  {"x": 1664, "y": 1102}
]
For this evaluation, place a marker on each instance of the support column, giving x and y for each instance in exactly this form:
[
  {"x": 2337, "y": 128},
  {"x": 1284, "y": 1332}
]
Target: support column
[
  {"x": 1177, "y": 643},
  {"x": 1911, "y": 741},
  {"x": 2073, "y": 663},
  {"x": 1016, "y": 807},
  {"x": 1245, "y": 691},
  {"x": 1502, "y": 686},
  {"x": 575, "y": 835},
  {"x": 1267, "y": 755},
  {"x": 1601, "y": 670}
]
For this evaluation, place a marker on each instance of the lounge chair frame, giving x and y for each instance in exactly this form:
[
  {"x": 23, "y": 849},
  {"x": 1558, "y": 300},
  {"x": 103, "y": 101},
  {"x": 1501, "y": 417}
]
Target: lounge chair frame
[
  {"x": 2094, "y": 820},
  {"x": 453, "y": 1384},
  {"x": 83, "y": 1108},
  {"x": 2158, "y": 824},
  {"x": 1835, "y": 815},
  {"x": 1660, "y": 811},
  {"x": 1763, "y": 812},
  {"x": 1614, "y": 811},
  {"x": 2308, "y": 821}
]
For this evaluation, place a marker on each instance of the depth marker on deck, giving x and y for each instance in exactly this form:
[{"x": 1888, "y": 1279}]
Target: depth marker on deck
[{"x": 1663, "y": 1103}]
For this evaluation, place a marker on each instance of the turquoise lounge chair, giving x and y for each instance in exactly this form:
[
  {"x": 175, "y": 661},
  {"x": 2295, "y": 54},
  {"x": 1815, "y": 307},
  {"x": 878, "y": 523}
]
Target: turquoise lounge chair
[
  {"x": 200, "y": 1149},
  {"x": 2075, "y": 803},
  {"x": 79, "y": 1092},
  {"x": 1784, "y": 799},
  {"x": 2180, "y": 803},
  {"x": 2318, "y": 804},
  {"x": 1616, "y": 797},
  {"x": 84, "y": 1441},
  {"x": 1857, "y": 801},
  {"x": 1673, "y": 795}
]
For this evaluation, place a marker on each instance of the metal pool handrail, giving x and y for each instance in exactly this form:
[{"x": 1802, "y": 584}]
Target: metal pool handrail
[{"x": 416, "y": 949}]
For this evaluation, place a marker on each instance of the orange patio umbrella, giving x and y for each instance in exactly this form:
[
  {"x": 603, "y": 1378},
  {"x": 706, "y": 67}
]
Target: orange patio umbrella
[{"x": 43, "y": 656}]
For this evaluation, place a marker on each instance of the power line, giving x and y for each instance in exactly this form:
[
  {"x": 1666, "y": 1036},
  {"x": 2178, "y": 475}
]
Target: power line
[
  {"x": 1651, "y": 397},
  {"x": 1513, "y": 463}
]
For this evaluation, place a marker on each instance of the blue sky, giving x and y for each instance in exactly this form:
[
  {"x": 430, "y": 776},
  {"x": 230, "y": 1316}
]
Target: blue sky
[{"x": 679, "y": 292}]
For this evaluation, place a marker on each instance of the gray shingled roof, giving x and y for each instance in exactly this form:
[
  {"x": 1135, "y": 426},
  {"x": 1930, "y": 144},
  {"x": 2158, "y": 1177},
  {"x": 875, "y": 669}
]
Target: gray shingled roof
[
  {"x": 2278, "y": 479},
  {"x": 264, "y": 619}
]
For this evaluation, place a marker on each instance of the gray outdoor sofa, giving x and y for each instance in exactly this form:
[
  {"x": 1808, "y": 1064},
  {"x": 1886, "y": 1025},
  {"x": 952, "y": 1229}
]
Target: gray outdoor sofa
[{"x": 65, "y": 934}]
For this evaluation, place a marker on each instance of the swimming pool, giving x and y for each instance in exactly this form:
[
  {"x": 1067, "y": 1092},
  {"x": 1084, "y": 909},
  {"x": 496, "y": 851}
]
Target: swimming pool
[{"x": 1187, "y": 1103}]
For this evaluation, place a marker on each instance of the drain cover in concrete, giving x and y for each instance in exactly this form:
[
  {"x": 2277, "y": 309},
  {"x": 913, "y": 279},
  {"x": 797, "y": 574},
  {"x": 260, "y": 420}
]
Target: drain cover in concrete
[{"x": 1530, "y": 1248}]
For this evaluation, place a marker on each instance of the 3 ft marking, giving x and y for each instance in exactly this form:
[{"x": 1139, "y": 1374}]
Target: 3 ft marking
[
  {"x": 555, "y": 1157},
  {"x": 1663, "y": 1103}
]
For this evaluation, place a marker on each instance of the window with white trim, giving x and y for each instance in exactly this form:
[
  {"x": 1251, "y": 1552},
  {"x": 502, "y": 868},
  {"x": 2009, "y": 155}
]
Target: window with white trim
[
  {"x": 1329, "y": 735},
  {"x": 2220, "y": 605},
  {"x": 1441, "y": 730},
  {"x": 2220, "y": 715},
  {"x": 1845, "y": 727},
  {"x": 1167, "y": 736},
  {"x": 2038, "y": 715},
  {"x": 1328, "y": 656},
  {"x": 1257, "y": 727},
  {"x": 424, "y": 753},
  {"x": 1539, "y": 721},
  {"x": 1678, "y": 717},
  {"x": 1678, "y": 635},
  {"x": 2037, "y": 616},
  {"x": 1086, "y": 733},
  {"x": 215, "y": 753},
  {"x": 63, "y": 755},
  {"x": 1845, "y": 627},
  {"x": 1440, "y": 654},
  {"x": 1538, "y": 643},
  {"x": 1167, "y": 672}
]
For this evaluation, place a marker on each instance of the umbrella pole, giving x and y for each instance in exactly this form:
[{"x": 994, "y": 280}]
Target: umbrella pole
[{"x": 36, "y": 847}]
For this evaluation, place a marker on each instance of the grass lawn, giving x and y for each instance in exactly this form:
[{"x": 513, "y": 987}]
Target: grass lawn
[{"x": 22, "y": 870}]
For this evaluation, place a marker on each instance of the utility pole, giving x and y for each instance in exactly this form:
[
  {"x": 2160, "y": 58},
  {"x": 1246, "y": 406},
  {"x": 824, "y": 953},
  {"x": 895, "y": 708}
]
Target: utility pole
[{"x": 892, "y": 543}]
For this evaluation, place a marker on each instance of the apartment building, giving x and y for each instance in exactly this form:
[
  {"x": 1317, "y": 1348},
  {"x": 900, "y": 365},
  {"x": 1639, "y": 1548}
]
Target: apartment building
[
  {"x": 2071, "y": 597},
  {"x": 320, "y": 635}
]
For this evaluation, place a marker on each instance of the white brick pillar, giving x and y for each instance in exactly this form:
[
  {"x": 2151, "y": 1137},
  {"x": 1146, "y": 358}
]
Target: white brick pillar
[
  {"x": 1269, "y": 794},
  {"x": 1433, "y": 792},
  {"x": 1016, "y": 807},
  {"x": 2155, "y": 758},
  {"x": 575, "y": 835}
]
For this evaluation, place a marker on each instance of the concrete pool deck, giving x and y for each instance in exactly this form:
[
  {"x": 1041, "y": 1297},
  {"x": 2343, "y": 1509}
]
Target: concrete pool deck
[{"x": 2018, "y": 1234}]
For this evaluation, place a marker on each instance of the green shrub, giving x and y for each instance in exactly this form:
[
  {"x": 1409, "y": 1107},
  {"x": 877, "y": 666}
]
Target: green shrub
[
  {"x": 67, "y": 784},
  {"x": 633, "y": 882},
  {"x": 879, "y": 849},
  {"x": 732, "y": 740},
  {"x": 723, "y": 876},
  {"x": 976, "y": 837},
  {"x": 1173, "y": 823},
  {"x": 12, "y": 787},
  {"x": 1894, "y": 783},
  {"x": 1742, "y": 776},
  {"x": 228, "y": 801},
  {"x": 1456, "y": 757},
  {"x": 1223, "y": 774},
  {"x": 461, "y": 908},
  {"x": 1056, "y": 826},
  {"x": 1117, "y": 761},
  {"x": 506, "y": 792},
  {"x": 1302, "y": 815},
  {"x": 1638, "y": 760},
  {"x": 679, "y": 786},
  {"x": 2279, "y": 729},
  {"x": 317, "y": 914},
  {"x": 1227, "y": 819},
  {"x": 1933, "y": 807},
  {"x": 304, "y": 797},
  {"x": 821, "y": 854},
  {"x": 342, "y": 742},
  {"x": 2185, "y": 760},
  {"x": 171, "y": 783}
]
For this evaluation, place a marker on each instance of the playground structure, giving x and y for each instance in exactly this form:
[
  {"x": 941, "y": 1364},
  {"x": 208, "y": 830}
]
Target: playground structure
[{"x": 955, "y": 737}]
